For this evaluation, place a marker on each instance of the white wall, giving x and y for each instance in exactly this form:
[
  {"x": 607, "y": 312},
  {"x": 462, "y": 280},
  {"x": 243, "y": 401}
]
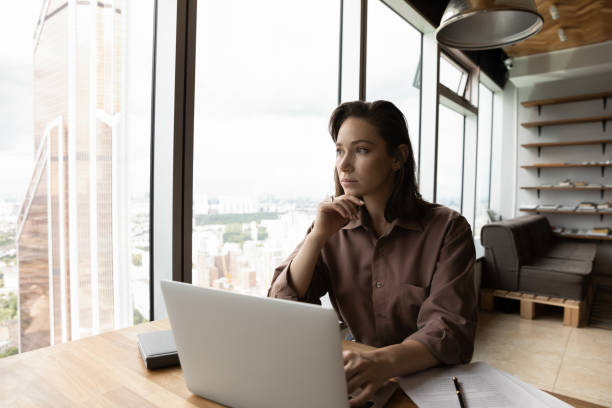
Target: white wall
[{"x": 503, "y": 160}]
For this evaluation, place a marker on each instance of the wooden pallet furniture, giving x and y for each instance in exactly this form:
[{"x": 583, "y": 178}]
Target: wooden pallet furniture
[{"x": 575, "y": 312}]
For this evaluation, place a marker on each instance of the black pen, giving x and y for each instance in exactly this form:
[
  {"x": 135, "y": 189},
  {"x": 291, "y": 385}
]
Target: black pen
[{"x": 458, "y": 392}]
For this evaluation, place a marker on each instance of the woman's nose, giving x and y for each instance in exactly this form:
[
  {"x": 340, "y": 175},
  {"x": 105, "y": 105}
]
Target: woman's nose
[{"x": 346, "y": 163}]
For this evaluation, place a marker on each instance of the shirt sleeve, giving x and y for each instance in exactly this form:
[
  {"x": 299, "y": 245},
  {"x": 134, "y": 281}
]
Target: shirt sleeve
[
  {"x": 282, "y": 286},
  {"x": 447, "y": 319}
]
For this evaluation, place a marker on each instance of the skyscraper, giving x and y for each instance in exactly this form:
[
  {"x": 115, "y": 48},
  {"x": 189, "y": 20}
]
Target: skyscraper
[{"x": 72, "y": 232}]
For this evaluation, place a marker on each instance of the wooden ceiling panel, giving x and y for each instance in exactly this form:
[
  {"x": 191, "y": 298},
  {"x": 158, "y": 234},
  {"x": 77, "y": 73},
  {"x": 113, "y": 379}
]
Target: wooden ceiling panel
[{"x": 583, "y": 22}]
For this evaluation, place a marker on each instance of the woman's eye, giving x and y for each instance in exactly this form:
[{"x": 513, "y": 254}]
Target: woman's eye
[
  {"x": 362, "y": 150},
  {"x": 338, "y": 152}
]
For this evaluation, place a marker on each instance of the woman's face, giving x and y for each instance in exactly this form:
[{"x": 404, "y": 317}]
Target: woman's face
[{"x": 363, "y": 164}]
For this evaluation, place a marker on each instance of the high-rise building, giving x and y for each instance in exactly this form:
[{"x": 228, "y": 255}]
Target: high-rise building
[{"x": 72, "y": 230}]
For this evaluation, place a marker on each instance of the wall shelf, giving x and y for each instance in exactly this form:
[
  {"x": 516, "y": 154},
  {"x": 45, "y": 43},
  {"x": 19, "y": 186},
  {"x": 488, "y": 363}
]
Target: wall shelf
[
  {"x": 565, "y": 165},
  {"x": 539, "y": 124},
  {"x": 567, "y": 188},
  {"x": 600, "y": 213},
  {"x": 580, "y": 236},
  {"x": 602, "y": 142},
  {"x": 559, "y": 122},
  {"x": 569, "y": 212},
  {"x": 566, "y": 99},
  {"x": 539, "y": 188}
]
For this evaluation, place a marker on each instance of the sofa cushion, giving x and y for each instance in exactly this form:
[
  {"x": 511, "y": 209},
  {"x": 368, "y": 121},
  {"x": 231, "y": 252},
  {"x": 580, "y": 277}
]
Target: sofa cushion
[
  {"x": 566, "y": 266},
  {"x": 556, "y": 277},
  {"x": 572, "y": 250}
]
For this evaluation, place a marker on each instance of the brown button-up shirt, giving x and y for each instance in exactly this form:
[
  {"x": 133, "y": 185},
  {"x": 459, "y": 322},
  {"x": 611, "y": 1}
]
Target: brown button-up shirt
[{"x": 413, "y": 282}]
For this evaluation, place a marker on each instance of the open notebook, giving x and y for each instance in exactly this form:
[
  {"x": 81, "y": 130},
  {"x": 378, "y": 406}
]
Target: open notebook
[{"x": 481, "y": 386}]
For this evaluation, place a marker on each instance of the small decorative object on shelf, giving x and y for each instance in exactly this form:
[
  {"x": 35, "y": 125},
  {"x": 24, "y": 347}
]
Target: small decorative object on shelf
[{"x": 549, "y": 207}]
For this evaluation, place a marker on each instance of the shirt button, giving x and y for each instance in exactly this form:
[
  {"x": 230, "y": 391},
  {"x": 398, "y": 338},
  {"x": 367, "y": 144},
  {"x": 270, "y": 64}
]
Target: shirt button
[{"x": 379, "y": 284}]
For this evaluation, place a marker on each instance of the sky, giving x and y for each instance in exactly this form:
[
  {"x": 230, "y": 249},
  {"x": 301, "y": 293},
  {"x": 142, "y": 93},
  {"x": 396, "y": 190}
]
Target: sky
[{"x": 265, "y": 88}]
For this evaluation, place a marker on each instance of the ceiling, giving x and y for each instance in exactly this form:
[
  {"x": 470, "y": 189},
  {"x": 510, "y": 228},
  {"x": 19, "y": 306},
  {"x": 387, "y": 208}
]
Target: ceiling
[{"x": 583, "y": 22}]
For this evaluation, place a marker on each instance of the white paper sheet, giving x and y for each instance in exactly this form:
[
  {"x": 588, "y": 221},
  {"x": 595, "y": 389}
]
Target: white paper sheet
[{"x": 482, "y": 386}]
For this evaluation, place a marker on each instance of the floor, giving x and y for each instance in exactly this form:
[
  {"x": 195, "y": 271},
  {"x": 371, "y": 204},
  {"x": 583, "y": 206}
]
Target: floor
[{"x": 576, "y": 362}]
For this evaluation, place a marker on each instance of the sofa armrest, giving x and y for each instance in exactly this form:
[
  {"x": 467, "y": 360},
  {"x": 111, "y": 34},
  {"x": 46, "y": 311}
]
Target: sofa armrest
[{"x": 502, "y": 262}]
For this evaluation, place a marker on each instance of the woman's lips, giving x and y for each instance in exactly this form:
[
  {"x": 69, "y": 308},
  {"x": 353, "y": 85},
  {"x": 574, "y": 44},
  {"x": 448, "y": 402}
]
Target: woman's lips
[{"x": 348, "y": 181}]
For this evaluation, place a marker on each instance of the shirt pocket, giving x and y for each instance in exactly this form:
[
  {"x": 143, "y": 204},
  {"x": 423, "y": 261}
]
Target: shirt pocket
[{"x": 411, "y": 299}]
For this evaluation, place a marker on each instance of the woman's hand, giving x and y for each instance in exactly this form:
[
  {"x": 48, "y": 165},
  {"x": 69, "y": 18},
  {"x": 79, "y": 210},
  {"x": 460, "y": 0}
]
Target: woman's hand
[
  {"x": 364, "y": 371},
  {"x": 335, "y": 213}
]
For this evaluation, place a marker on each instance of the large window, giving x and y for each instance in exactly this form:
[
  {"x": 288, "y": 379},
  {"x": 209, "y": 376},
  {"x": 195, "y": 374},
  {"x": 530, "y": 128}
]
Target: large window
[
  {"x": 394, "y": 65},
  {"x": 266, "y": 84},
  {"x": 450, "y": 158},
  {"x": 74, "y": 205},
  {"x": 483, "y": 176},
  {"x": 457, "y": 142}
]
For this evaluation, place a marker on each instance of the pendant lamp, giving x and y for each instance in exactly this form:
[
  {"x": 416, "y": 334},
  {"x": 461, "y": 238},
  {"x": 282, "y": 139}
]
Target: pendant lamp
[{"x": 485, "y": 24}]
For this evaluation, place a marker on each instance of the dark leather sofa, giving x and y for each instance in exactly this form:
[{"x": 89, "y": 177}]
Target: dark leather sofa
[{"x": 522, "y": 254}]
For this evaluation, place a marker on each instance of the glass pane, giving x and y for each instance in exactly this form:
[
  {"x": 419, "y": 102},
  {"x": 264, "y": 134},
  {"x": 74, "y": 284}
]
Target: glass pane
[
  {"x": 450, "y": 158},
  {"x": 396, "y": 76},
  {"x": 485, "y": 118},
  {"x": 74, "y": 203},
  {"x": 263, "y": 157},
  {"x": 351, "y": 47},
  {"x": 452, "y": 76}
]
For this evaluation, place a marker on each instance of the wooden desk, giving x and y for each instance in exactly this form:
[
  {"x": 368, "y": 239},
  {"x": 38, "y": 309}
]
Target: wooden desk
[{"x": 106, "y": 370}]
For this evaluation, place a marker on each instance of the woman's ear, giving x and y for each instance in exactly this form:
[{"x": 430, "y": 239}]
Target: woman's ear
[{"x": 400, "y": 157}]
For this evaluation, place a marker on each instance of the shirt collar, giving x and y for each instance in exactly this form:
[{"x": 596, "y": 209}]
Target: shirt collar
[{"x": 403, "y": 222}]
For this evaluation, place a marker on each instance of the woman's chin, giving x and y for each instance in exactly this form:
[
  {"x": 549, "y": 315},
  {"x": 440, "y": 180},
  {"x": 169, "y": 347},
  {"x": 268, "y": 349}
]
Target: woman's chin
[{"x": 351, "y": 190}]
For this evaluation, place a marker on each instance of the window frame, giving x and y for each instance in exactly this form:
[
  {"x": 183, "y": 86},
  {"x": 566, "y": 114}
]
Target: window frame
[{"x": 465, "y": 104}]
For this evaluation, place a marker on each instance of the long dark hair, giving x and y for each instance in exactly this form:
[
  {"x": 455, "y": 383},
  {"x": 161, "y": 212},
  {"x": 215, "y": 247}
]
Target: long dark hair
[{"x": 405, "y": 200}]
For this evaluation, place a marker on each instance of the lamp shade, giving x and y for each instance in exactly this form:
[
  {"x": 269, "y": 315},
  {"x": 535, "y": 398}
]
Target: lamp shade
[{"x": 485, "y": 24}]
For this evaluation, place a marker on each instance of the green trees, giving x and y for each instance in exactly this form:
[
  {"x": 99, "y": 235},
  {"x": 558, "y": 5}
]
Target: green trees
[
  {"x": 137, "y": 259},
  {"x": 234, "y": 233},
  {"x": 9, "y": 352},
  {"x": 8, "y": 306},
  {"x": 138, "y": 317}
]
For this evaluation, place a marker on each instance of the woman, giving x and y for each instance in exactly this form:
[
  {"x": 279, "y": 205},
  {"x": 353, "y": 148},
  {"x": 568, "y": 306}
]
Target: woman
[{"x": 398, "y": 270}]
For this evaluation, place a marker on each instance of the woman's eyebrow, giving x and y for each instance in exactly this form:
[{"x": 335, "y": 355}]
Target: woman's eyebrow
[{"x": 357, "y": 141}]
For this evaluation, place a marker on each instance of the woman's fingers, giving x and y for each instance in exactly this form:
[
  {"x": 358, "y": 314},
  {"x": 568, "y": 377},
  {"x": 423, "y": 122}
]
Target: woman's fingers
[
  {"x": 364, "y": 396},
  {"x": 349, "y": 203},
  {"x": 353, "y": 364},
  {"x": 353, "y": 199},
  {"x": 357, "y": 381},
  {"x": 340, "y": 209},
  {"x": 349, "y": 208},
  {"x": 348, "y": 355}
]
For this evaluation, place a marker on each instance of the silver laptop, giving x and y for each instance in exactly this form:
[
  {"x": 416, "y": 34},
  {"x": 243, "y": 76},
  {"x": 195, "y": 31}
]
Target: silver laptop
[{"x": 246, "y": 351}]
